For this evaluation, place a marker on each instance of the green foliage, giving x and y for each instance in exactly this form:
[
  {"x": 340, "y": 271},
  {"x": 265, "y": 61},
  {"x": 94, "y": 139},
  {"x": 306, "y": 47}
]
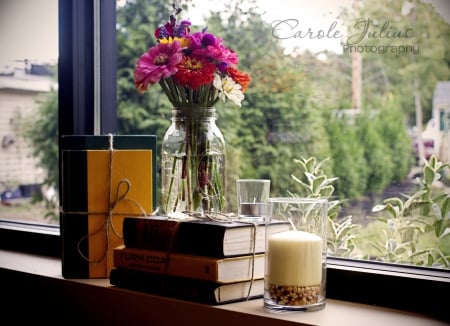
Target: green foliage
[
  {"x": 330, "y": 86},
  {"x": 417, "y": 228},
  {"x": 313, "y": 183},
  {"x": 287, "y": 111},
  {"x": 393, "y": 72},
  {"x": 148, "y": 113},
  {"x": 369, "y": 151},
  {"x": 268, "y": 130},
  {"x": 41, "y": 129},
  {"x": 391, "y": 126},
  {"x": 348, "y": 158},
  {"x": 376, "y": 153}
]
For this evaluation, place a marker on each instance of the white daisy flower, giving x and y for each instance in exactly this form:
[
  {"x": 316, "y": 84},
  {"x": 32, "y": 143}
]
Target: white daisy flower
[{"x": 228, "y": 88}]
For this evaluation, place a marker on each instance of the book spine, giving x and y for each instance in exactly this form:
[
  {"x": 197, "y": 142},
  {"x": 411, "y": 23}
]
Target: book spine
[
  {"x": 201, "y": 239},
  {"x": 164, "y": 263},
  {"x": 74, "y": 226},
  {"x": 180, "y": 288},
  {"x": 174, "y": 236},
  {"x": 149, "y": 233}
]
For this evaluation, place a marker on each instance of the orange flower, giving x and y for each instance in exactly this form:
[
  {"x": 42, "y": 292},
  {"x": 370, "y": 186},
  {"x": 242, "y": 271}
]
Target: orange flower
[{"x": 239, "y": 77}]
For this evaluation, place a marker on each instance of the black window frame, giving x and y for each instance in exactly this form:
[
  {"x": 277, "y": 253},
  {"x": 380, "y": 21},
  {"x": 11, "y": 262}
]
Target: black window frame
[{"x": 388, "y": 285}]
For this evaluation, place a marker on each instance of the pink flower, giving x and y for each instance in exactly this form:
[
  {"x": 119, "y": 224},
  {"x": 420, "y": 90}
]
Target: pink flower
[
  {"x": 196, "y": 40},
  {"x": 206, "y": 45},
  {"x": 220, "y": 53},
  {"x": 157, "y": 63}
]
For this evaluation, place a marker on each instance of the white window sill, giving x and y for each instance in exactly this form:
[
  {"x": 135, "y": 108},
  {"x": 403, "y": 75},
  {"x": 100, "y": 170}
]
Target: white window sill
[{"x": 95, "y": 300}]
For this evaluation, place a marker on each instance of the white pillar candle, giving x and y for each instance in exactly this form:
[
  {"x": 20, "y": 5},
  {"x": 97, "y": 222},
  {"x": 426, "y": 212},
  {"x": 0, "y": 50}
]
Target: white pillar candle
[{"x": 294, "y": 258}]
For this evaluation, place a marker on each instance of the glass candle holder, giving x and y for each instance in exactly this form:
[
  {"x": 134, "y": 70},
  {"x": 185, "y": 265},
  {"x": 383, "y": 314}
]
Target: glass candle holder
[{"x": 295, "y": 261}]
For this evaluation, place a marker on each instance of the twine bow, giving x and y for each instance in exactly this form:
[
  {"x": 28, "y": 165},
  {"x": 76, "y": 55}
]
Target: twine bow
[{"x": 119, "y": 196}]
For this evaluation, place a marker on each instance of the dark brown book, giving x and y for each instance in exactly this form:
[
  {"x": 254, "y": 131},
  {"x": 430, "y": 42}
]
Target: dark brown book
[
  {"x": 186, "y": 288},
  {"x": 198, "y": 237}
]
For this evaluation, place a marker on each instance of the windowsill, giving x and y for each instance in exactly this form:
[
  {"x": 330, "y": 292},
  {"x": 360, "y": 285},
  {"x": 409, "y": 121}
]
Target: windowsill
[{"x": 96, "y": 300}]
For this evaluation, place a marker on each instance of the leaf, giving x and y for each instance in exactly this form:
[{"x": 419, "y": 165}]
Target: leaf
[
  {"x": 377, "y": 247},
  {"x": 332, "y": 204},
  {"x": 445, "y": 233},
  {"x": 330, "y": 180},
  {"x": 301, "y": 163},
  {"x": 304, "y": 185},
  {"x": 317, "y": 183},
  {"x": 445, "y": 207},
  {"x": 428, "y": 175},
  {"x": 444, "y": 258},
  {"x": 333, "y": 230},
  {"x": 378, "y": 208},
  {"x": 437, "y": 211},
  {"x": 319, "y": 165},
  {"x": 309, "y": 164},
  {"x": 433, "y": 161},
  {"x": 418, "y": 253},
  {"x": 410, "y": 228},
  {"x": 310, "y": 177},
  {"x": 394, "y": 211},
  {"x": 327, "y": 191},
  {"x": 395, "y": 202},
  {"x": 416, "y": 196}
]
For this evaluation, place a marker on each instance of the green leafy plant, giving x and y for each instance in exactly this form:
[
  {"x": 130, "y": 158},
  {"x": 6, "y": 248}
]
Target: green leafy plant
[
  {"x": 314, "y": 183},
  {"x": 417, "y": 228}
]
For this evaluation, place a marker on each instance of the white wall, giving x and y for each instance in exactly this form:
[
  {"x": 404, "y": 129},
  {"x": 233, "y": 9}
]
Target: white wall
[{"x": 17, "y": 165}]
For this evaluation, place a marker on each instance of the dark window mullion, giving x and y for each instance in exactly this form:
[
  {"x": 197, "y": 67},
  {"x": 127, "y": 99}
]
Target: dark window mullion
[
  {"x": 108, "y": 66},
  {"x": 76, "y": 67}
]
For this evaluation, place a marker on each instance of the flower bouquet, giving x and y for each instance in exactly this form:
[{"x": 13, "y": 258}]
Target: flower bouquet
[{"x": 195, "y": 71}]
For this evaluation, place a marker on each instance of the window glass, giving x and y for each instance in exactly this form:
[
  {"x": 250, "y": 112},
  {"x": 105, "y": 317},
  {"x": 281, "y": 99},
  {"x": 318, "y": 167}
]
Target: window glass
[
  {"x": 332, "y": 95},
  {"x": 28, "y": 108}
]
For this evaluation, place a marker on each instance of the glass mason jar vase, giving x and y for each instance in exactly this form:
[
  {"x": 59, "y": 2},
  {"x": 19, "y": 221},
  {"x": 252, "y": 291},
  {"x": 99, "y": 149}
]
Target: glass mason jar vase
[{"x": 192, "y": 163}]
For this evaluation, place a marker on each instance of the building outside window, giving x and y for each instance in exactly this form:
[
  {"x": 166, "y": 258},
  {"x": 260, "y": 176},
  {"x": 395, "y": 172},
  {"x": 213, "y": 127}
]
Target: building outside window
[{"x": 28, "y": 68}]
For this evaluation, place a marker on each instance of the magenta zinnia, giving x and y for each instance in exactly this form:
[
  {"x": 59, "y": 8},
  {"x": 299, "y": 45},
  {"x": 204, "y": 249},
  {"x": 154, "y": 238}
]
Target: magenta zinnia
[{"x": 159, "y": 62}]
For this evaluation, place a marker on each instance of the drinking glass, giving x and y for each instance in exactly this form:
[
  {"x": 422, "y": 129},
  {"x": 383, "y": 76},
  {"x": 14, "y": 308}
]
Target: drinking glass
[{"x": 251, "y": 198}]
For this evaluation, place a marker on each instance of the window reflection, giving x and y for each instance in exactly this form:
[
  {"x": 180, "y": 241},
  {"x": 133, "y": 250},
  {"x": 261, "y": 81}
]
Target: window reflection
[{"x": 313, "y": 95}]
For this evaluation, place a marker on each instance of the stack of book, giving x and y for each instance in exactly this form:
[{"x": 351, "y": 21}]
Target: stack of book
[{"x": 204, "y": 261}]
